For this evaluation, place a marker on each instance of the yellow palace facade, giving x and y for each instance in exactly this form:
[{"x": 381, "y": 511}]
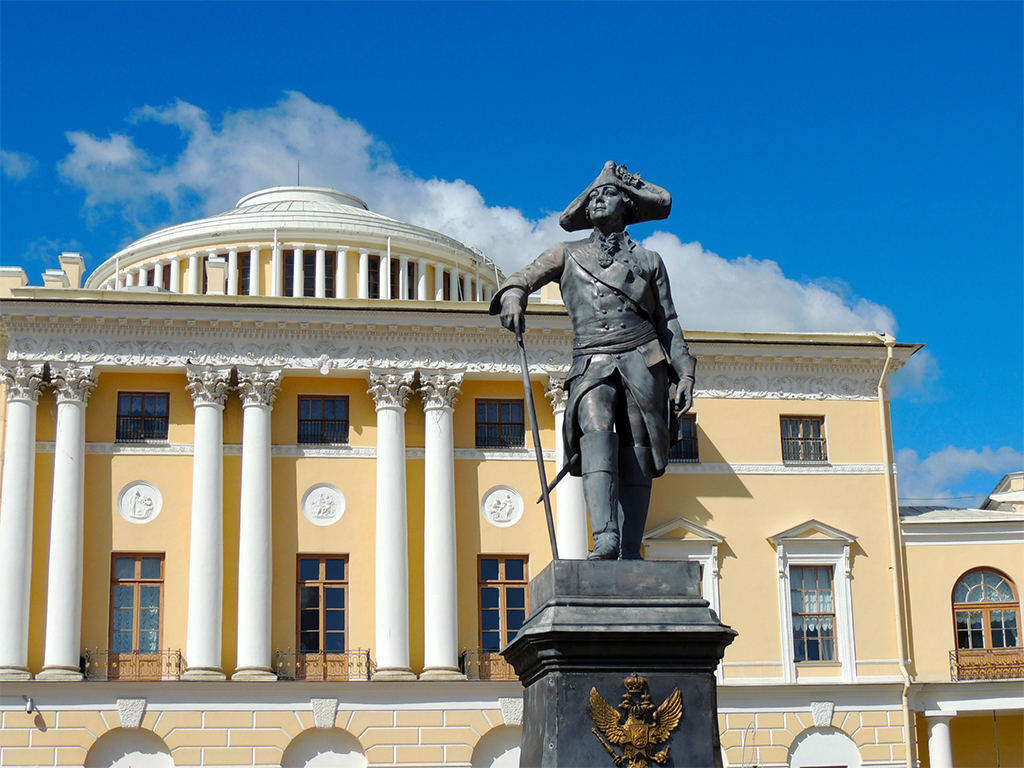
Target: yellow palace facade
[{"x": 268, "y": 499}]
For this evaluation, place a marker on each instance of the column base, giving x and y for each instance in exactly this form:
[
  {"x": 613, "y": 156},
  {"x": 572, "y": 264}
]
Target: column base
[
  {"x": 203, "y": 673},
  {"x": 393, "y": 673},
  {"x": 60, "y": 673},
  {"x": 255, "y": 674},
  {"x": 442, "y": 673},
  {"x": 15, "y": 673}
]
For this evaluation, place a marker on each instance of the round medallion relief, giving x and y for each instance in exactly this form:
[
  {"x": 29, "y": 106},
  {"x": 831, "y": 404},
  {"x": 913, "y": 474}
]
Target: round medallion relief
[
  {"x": 323, "y": 504},
  {"x": 139, "y": 502},
  {"x": 502, "y": 506}
]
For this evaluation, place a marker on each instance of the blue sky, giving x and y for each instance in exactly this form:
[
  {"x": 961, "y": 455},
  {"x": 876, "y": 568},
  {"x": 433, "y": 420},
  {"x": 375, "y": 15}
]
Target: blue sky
[{"x": 842, "y": 166}]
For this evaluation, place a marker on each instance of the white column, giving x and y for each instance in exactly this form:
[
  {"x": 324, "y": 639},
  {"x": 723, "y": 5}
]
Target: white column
[
  {"x": 440, "y": 581},
  {"x": 341, "y": 273},
  {"x": 158, "y": 274},
  {"x": 390, "y": 392},
  {"x": 488, "y": 292},
  {"x": 453, "y": 283},
  {"x": 194, "y": 282},
  {"x": 403, "y": 276},
  {"x": 23, "y": 383},
  {"x": 421, "y": 279},
  {"x": 233, "y": 272},
  {"x": 276, "y": 272},
  {"x": 129, "y": 279},
  {"x": 67, "y": 526},
  {"x": 320, "y": 290},
  {"x": 467, "y": 287},
  {"x": 175, "y": 275},
  {"x": 258, "y": 388},
  {"x": 940, "y": 745},
  {"x": 298, "y": 280},
  {"x": 570, "y": 509},
  {"x": 478, "y": 293},
  {"x": 143, "y": 276},
  {"x": 254, "y": 270},
  {"x": 206, "y": 543},
  {"x": 384, "y": 275},
  {"x": 364, "y": 275},
  {"x": 438, "y": 282}
]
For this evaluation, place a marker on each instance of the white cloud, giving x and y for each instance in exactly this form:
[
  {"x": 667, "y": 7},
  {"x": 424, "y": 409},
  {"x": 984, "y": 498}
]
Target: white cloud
[
  {"x": 951, "y": 477},
  {"x": 16, "y": 165},
  {"x": 252, "y": 149}
]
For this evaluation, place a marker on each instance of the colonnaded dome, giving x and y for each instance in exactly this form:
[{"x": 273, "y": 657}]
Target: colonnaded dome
[{"x": 302, "y": 242}]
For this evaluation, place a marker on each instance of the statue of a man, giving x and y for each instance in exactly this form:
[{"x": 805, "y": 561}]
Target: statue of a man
[{"x": 629, "y": 349}]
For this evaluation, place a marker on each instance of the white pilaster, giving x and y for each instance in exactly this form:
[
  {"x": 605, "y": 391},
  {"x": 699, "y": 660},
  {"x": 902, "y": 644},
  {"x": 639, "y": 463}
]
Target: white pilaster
[
  {"x": 158, "y": 274},
  {"x": 440, "y": 578},
  {"x": 940, "y": 743},
  {"x": 67, "y": 526},
  {"x": 176, "y": 275},
  {"x": 390, "y": 392},
  {"x": 193, "y": 273},
  {"x": 254, "y": 270},
  {"x": 320, "y": 289},
  {"x": 384, "y": 275},
  {"x": 23, "y": 383},
  {"x": 364, "y": 275},
  {"x": 438, "y": 282},
  {"x": 233, "y": 272},
  {"x": 341, "y": 273},
  {"x": 421, "y": 279},
  {"x": 298, "y": 281},
  {"x": 206, "y": 544},
  {"x": 258, "y": 388},
  {"x": 403, "y": 276},
  {"x": 570, "y": 509}
]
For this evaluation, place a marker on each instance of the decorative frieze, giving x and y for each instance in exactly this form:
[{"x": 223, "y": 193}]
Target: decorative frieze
[
  {"x": 23, "y": 381},
  {"x": 391, "y": 389},
  {"x": 208, "y": 385},
  {"x": 72, "y": 384},
  {"x": 258, "y": 386},
  {"x": 440, "y": 390}
]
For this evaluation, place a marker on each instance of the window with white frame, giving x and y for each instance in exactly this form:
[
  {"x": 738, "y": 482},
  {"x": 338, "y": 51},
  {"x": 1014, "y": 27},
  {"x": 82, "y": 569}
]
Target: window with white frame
[{"x": 815, "y": 601}]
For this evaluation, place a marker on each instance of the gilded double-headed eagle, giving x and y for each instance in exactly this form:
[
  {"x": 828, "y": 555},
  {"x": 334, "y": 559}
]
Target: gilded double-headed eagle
[{"x": 637, "y": 727}]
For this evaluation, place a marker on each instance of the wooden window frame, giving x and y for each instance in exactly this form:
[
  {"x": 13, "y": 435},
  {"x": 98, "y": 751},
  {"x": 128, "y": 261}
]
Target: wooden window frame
[
  {"x": 322, "y": 421},
  {"x": 986, "y": 608},
  {"x": 678, "y": 454},
  {"x": 834, "y": 636},
  {"x": 373, "y": 276},
  {"x": 137, "y": 582},
  {"x": 803, "y": 442},
  {"x": 118, "y": 434},
  {"x": 501, "y": 444},
  {"x": 322, "y": 582},
  {"x": 502, "y": 585}
]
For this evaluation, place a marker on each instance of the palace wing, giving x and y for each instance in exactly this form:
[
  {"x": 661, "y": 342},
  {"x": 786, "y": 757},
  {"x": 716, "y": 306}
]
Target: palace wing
[{"x": 607, "y": 718}]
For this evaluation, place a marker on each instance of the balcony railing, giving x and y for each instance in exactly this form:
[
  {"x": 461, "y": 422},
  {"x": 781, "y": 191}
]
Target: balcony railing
[
  {"x": 347, "y": 665},
  {"x": 987, "y": 664},
  {"x": 486, "y": 665},
  {"x": 138, "y": 665}
]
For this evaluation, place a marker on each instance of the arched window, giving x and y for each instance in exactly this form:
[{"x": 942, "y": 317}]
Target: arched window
[{"x": 986, "y": 611}]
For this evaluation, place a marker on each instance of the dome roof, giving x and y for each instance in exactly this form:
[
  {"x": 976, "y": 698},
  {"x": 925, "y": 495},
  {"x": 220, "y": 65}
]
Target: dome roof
[{"x": 308, "y": 215}]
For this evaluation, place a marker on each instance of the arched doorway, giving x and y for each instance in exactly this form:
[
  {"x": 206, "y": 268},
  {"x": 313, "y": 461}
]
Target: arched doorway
[
  {"x": 499, "y": 748},
  {"x": 823, "y": 747},
  {"x": 129, "y": 748},
  {"x": 324, "y": 748}
]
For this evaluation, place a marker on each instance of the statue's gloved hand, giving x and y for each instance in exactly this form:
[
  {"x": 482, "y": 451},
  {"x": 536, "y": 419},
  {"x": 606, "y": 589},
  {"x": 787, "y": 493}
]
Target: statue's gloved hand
[
  {"x": 513, "y": 317},
  {"x": 684, "y": 396}
]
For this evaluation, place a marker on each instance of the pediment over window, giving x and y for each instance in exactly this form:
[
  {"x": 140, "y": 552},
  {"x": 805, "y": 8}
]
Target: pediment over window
[
  {"x": 812, "y": 530},
  {"x": 682, "y": 529}
]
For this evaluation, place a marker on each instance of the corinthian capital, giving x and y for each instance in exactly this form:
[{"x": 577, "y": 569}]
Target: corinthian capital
[
  {"x": 390, "y": 389},
  {"x": 73, "y": 384},
  {"x": 439, "y": 390},
  {"x": 207, "y": 385},
  {"x": 258, "y": 386},
  {"x": 22, "y": 381},
  {"x": 555, "y": 391}
]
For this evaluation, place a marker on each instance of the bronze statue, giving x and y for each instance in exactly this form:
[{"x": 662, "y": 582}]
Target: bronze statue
[{"x": 629, "y": 349}]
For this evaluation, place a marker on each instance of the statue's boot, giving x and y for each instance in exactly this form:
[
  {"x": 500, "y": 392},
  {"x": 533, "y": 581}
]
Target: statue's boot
[
  {"x": 599, "y": 460},
  {"x": 636, "y": 466}
]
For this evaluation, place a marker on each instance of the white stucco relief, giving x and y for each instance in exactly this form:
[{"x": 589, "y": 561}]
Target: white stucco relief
[
  {"x": 323, "y": 504},
  {"x": 502, "y": 506},
  {"x": 139, "y": 502}
]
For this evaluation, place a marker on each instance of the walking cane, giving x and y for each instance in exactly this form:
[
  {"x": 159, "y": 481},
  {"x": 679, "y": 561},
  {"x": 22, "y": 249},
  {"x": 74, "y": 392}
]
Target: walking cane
[{"x": 531, "y": 409}]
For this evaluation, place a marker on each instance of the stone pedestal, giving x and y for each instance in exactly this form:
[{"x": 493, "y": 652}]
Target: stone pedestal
[{"x": 593, "y": 624}]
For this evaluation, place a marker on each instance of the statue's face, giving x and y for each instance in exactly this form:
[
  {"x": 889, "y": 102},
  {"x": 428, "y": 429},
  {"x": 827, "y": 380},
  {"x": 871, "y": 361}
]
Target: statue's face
[{"x": 606, "y": 204}]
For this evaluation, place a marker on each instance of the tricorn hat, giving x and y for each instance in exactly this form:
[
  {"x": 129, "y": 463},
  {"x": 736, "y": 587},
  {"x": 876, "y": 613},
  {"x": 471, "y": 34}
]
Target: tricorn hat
[{"x": 651, "y": 202}]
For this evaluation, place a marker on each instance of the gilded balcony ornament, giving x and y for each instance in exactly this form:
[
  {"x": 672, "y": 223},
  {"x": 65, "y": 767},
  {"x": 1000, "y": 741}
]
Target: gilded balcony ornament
[{"x": 640, "y": 727}]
